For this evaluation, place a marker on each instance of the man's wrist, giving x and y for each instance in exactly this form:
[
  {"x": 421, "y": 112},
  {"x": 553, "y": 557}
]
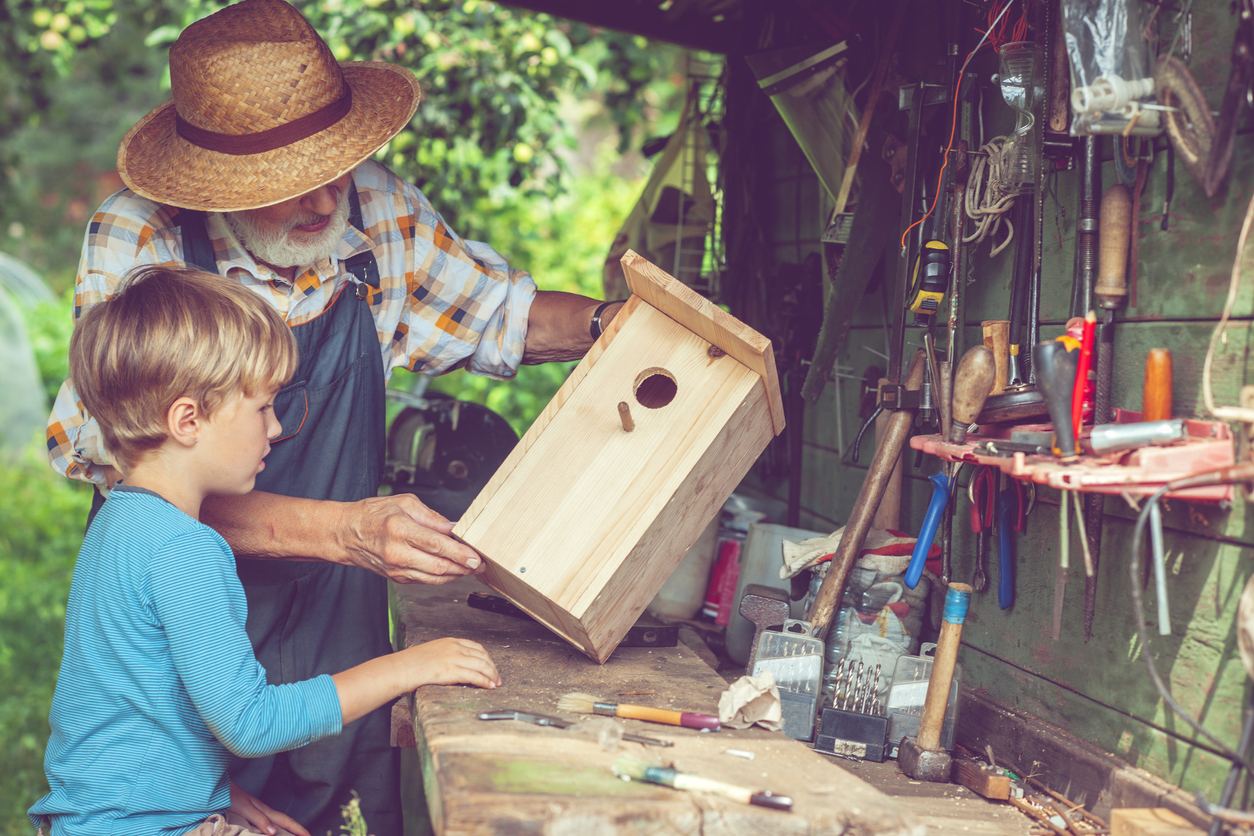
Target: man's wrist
[{"x": 601, "y": 317}]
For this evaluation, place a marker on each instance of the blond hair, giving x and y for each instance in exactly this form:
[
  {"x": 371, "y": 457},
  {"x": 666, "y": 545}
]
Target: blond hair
[{"x": 171, "y": 333}]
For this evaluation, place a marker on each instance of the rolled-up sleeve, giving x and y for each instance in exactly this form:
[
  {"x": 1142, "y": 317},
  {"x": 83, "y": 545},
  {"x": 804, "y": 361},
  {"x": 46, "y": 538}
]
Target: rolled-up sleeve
[{"x": 444, "y": 302}]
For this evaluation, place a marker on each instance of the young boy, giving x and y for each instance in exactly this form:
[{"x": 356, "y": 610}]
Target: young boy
[{"x": 159, "y": 684}]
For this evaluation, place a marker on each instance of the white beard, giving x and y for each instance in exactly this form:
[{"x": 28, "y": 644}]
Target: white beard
[{"x": 274, "y": 245}]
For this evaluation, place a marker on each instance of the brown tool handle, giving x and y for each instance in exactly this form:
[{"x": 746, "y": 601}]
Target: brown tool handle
[
  {"x": 997, "y": 338},
  {"x": 888, "y": 513},
  {"x": 957, "y": 597},
  {"x": 971, "y": 387},
  {"x": 1112, "y": 249},
  {"x": 1156, "y": 399},
  {"x": 886, "y": 454}
]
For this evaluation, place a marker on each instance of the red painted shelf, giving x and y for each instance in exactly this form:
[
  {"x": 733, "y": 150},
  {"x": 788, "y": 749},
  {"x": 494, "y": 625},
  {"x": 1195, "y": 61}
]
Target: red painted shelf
[{"x": 1138, "y": 472}]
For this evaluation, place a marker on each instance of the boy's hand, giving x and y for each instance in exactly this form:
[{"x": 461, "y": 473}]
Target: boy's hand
[
  {"x": 260, "y": 815},
  {"x": 452, "y": 662}
]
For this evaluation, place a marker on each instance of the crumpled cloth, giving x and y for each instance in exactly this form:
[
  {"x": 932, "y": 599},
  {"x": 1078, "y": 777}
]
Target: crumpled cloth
[
  {"x": 750, "y": 700},
  {"x": 883, "y": 550}
]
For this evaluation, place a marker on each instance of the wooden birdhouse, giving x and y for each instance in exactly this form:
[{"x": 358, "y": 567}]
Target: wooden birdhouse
[{"x": 636, "y": 453}]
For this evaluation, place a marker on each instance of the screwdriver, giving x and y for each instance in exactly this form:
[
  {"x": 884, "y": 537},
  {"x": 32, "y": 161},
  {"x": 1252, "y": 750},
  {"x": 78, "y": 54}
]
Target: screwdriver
[
  {"x": 1082, "y": 374},
  {"x": 1156, "y": 398}
]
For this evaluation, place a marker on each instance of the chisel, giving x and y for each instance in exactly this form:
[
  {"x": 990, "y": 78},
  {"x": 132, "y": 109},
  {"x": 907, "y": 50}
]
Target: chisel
[{"x": 1111, "y": 292}]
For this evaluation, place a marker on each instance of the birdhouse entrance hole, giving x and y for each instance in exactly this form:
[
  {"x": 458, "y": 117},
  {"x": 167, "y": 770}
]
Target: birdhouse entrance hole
[{"x": 655, "y": 388}]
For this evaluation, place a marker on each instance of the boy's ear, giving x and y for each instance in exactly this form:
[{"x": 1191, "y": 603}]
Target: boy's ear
[{"x": 183, "y": 421}]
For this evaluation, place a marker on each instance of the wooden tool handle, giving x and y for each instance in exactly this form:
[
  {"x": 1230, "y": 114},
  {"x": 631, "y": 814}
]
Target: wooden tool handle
[
  {"x": 1156, "y": 400},
  {"x": 957, "y": 597},
  {"x": 971, "y": 387},
  {"x": 653, "y": 715},
  {"x": 997, "y": 339},
  {"x": 859, "y": 520},
  {"x": 1115, "y": 226}
]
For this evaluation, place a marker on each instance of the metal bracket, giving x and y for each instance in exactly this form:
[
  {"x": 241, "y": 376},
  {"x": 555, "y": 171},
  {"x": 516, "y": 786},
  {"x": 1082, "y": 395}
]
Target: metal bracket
[
  {"x": 933, "y": 94},
  {"x": 896, "y": 396}
]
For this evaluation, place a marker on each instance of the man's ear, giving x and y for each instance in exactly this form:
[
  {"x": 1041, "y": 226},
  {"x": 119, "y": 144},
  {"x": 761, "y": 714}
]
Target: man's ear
[{"x": 184, "y": 421}]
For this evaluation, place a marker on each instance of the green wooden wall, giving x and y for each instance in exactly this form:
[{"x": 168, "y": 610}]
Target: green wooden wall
[{"x": 1099, "y": 689}]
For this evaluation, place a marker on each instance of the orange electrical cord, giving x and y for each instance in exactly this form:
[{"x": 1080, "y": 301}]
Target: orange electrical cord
[{"x": 953, "y": 124}]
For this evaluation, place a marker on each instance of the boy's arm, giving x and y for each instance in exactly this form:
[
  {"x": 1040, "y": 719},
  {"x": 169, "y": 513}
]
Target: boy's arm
[
  {"x": 394, "y": 536},
  {"x": 442, "y": 662},
  {"x": 194, "y": 593}
]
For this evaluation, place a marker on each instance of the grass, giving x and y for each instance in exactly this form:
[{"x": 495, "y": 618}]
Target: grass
[{"x": 42, "y": 516}]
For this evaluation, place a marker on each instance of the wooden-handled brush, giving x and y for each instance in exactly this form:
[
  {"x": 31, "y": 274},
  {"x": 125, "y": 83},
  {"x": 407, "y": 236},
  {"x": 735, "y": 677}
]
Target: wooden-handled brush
[
  {"x": 635, "y": 769},
  {"x": 587, "y": 704}
]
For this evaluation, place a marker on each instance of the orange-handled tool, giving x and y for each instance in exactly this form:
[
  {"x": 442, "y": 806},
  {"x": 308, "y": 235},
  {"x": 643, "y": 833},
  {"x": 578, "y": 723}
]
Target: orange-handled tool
[
  {"x": 1156, "y": 398},
  {"x": 1083, "y": 365},
  {"x": 588, "y": 704}
]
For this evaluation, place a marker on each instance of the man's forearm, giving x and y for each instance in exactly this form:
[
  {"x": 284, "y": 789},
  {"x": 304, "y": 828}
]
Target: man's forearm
[
  {"x": 275, "y": 527},
  {"x": 559, "y": 326},
  {"x": 394, "y": 536}
]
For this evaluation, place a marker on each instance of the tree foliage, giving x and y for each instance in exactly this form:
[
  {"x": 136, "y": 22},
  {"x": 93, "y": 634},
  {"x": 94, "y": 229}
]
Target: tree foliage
[{"x": 489, "y": 129}]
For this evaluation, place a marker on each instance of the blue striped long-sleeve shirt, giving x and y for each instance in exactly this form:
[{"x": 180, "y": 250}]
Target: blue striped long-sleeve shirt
[{"x": 159, "y": 683}]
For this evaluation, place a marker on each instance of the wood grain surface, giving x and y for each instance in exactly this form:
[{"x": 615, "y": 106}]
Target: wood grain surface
[{"x": 505, "y": 776}]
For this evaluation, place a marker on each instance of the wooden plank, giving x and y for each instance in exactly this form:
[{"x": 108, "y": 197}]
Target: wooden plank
[
  {"x": 1150, "y": 821},
  {"x": 981, "y": 778},
  {"x": 1065, "y": 763},
  {"x": 698, "y": 314},
  {"x": 512, "y": 777}
]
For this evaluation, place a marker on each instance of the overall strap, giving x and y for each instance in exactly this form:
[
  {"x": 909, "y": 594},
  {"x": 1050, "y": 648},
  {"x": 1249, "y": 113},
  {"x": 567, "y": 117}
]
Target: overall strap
[
  {"x": 197, "y": 248},
  {"x": 362, "y": 265}
]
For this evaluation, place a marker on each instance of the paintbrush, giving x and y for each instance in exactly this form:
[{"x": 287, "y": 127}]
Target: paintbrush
[
  {"x": 588, "y": 704},
  {"x": 635, "y": 769}
]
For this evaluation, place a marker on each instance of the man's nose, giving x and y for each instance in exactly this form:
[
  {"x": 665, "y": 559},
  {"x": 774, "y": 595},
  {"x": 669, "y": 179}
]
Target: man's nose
[{"x": 322, "y": 200}]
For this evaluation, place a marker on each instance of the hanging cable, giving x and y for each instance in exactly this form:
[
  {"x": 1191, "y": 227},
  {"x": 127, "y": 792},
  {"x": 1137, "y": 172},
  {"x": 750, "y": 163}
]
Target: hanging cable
[
  {"x": 989, "y": 196},
  {"x": 953, "y": 126},
  {"x": 1228, "y": 413},
  {"x": 1225, "y": 476}
]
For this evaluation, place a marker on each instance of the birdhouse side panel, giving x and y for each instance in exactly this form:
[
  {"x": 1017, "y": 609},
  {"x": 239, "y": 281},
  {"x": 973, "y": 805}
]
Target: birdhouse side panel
[
  {"x": 623, "y": 597},
  {"x": 547, "y": 415},
  {"x": 527, "y": 598},
  {"x": 574, "y": 507},
  {"x": 664, "y": 474}
]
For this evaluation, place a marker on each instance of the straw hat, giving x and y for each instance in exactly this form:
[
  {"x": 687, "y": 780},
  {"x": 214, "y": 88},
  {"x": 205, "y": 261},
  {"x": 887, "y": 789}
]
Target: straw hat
[{"x": 261, "y": 113}]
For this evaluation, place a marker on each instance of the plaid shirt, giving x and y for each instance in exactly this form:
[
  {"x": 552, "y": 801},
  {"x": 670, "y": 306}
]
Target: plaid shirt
[{"x": 442, "y": 301}]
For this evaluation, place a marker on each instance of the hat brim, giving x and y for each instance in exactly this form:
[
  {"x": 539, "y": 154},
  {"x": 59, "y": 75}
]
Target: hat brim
[{"x": 156, "y": 163}]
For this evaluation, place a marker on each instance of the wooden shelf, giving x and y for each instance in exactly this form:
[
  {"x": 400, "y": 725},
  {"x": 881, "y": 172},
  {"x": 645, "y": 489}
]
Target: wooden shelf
[{"x": 1138, "y": 472}]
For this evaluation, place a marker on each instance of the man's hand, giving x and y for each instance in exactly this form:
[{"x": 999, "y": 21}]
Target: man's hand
[
  {"x": 261, "y": 816},
  {"x": 405, "y": 541}
]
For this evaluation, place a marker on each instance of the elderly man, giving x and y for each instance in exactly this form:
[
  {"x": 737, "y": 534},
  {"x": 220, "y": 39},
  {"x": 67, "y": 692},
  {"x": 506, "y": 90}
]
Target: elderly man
[{"x": 259, "y": 169}]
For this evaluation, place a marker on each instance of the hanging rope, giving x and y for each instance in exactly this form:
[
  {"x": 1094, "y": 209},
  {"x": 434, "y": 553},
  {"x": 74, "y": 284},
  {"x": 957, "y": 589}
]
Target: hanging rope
[{"x": 989, "y": 196}]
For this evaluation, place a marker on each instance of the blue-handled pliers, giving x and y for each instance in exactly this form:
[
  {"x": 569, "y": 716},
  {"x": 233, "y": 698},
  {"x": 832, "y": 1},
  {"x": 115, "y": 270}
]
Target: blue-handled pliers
[{"x": 942, "y": 489}]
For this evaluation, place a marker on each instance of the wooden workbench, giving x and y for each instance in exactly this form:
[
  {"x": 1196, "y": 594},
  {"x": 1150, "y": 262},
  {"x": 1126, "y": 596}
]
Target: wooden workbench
[{"x": 505, "y": 776}]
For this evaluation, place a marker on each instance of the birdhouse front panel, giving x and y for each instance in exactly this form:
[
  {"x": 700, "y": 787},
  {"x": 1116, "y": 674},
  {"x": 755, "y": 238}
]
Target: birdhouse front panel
[{"x": 591, "y": 513}]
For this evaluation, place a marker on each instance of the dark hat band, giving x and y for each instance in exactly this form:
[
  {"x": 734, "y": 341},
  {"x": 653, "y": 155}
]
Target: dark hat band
[{"x": 272, "y": 138}]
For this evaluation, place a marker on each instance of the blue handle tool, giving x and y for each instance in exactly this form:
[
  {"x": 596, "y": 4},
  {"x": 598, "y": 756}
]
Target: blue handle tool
[
  {"x": 1006, "y": 501},
  {"x": 942, "y": 487}
]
